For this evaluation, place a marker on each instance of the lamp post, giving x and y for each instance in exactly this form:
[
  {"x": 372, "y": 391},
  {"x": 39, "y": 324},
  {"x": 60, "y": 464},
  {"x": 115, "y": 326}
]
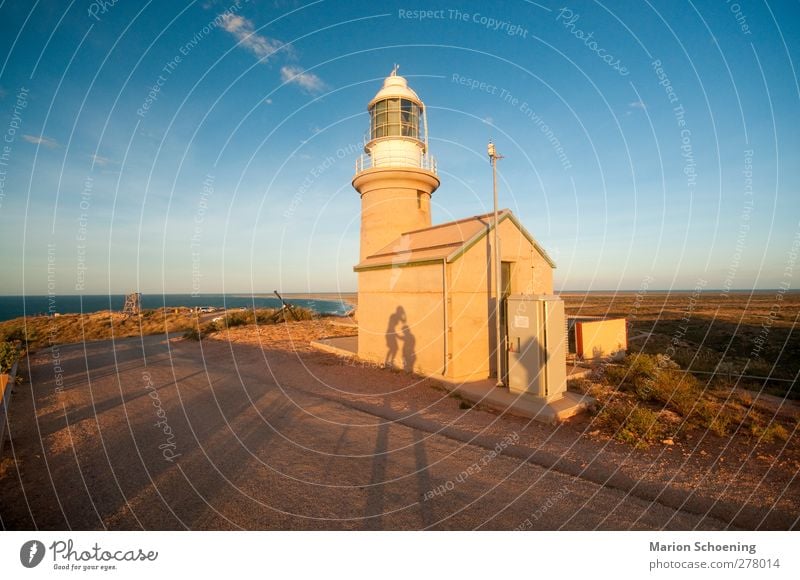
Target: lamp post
[{"x": 493, "y": 157}]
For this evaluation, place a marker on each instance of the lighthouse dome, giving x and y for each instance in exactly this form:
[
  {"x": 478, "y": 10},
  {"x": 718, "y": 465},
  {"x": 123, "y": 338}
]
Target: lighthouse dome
[
  {"x": 395, "y": 86},
  {"x": 396, "y": 111}
]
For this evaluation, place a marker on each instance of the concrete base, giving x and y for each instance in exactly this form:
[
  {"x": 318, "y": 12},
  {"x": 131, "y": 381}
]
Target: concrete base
[
  {"x": 346, "y": 321},
  {"x": 486, "y": 393},
  {"x": 338, "y": 345},
  {"x": 500, "y": 399}
]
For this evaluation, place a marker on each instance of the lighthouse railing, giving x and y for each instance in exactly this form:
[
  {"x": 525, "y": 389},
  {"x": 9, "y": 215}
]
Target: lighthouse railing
[{"x": 423, "y": 161}]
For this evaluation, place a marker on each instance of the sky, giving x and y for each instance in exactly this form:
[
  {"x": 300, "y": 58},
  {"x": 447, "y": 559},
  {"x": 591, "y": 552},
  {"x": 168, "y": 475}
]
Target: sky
[{"x": 209, "y": 146}]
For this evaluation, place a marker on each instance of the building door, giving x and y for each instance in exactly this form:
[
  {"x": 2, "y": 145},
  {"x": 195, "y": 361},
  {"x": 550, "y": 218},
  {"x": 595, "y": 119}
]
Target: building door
[{"x": 506, "y": 269}]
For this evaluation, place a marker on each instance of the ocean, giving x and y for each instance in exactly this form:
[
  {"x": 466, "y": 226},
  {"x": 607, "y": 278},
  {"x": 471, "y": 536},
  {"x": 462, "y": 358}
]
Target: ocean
[{"x": 15, "y": 306}]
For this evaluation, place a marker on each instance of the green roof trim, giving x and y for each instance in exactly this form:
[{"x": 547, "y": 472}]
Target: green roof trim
[{"x": 389, "y": 265}]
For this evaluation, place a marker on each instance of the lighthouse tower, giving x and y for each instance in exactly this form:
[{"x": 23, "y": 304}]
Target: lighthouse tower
[{"x": 396, "y": 176}]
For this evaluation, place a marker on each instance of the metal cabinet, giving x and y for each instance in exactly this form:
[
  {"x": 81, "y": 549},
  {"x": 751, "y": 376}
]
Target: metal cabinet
[{"x": 536, "y": 344}]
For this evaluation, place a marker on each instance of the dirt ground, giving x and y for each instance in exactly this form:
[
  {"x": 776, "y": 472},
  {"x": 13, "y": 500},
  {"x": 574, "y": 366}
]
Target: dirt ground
[
  {"x": 252, "y": 429},
  {"x": 754, "y": 334}
]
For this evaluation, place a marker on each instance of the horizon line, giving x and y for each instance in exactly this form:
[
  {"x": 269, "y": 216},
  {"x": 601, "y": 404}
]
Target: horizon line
[{"x": 288, "y": 292}]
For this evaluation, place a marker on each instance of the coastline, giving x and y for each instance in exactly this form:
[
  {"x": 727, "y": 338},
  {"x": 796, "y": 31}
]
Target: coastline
[
  {"x": 12, "y": 307},
  {"x": 350, "y": 298}
]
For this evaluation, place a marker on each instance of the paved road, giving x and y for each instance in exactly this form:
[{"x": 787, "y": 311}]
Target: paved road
[{"x": 156, "y": 434}]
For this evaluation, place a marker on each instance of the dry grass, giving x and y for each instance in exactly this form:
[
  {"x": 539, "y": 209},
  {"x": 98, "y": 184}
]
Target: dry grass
[
  {"x": 288, "y": 337},
  {"x": 646, "y": 399},
  {"x": 261, "y": 317},
  {"x": 711, "y": 332},
  {"x": 44, "y": 331},
  {"x": 9, "y": 353},
  {"x": 36, "y": 332}
]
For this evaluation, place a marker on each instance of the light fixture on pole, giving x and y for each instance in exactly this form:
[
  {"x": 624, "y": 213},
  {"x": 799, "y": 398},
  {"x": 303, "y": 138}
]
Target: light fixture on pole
[{"x": 493, "y": 157}]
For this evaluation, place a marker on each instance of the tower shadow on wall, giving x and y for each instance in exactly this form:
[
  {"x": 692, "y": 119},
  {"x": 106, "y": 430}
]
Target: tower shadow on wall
[{"x": 400, "y": 340}]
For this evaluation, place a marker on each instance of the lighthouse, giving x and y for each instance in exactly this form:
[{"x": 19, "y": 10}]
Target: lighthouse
[
  {"x": 396, "y": 176},
  {"x": 428, "y": 300}
]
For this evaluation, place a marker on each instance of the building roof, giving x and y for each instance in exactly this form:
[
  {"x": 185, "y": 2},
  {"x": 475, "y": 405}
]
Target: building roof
[{"x": 446, "y": 241}]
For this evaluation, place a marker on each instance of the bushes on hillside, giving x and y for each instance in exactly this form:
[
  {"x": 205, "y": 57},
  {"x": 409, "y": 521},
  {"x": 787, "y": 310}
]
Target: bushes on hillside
[
  {"x": 268, "y": 315},
  {"x": 656, "y": 379},
  {"x": 652, "y": 399},
  {"x": 241, "y": 318},
  {"x": 262, "y": 316},
  {"x": 9, "y": 352},
  {"x": 635, "y": 424}
]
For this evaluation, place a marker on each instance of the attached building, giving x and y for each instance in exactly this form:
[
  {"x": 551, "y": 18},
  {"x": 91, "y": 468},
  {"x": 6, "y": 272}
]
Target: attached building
[{"x": 427, "y": 301}]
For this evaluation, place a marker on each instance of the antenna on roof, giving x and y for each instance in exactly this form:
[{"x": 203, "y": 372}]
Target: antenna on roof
[{"x": 395, "y": 69}]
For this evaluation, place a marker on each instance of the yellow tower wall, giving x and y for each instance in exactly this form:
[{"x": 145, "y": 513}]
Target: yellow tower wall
[{"x": 393, "y": 201}]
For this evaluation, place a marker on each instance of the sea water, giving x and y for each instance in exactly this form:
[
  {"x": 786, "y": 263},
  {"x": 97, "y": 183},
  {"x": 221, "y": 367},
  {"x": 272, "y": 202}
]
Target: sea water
[{"x": 15, "y": 306}]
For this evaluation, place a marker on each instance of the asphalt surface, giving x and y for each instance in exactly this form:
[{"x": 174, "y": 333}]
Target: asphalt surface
[{"x": 156, "y": 434}]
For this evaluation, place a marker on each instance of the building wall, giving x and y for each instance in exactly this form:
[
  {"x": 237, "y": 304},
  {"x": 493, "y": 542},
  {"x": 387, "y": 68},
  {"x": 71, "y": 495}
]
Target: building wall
[
  {"x": 532, "y": 273},
  {"x": 472, "y": 294},
  {"x": 417, "y": 291}
]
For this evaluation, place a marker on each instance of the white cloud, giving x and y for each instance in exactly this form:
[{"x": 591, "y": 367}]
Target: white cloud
[
  {"x": 264, "y": 48},
  {"x": 307, "y": 81},
  {"x": 41, "y": 140},
  {"x": 637, "y": 105},
  {"x": 244, "y": 31},
  {"x": 100, "y": 160},
  {"x": 268, "y": 101}
]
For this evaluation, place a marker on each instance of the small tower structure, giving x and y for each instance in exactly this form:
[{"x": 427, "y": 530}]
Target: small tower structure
[
  {"x": 396, "y": 176},
  {"x": 133, "y": 304}
]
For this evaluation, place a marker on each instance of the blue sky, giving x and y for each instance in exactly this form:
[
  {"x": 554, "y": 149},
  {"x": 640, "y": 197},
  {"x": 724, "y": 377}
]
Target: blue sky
[{"x": 209, "y": 146}]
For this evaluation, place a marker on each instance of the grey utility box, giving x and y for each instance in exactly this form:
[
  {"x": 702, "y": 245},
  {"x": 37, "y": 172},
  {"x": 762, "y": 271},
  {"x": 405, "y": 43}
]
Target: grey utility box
[{"x": 537, "y": 363}]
